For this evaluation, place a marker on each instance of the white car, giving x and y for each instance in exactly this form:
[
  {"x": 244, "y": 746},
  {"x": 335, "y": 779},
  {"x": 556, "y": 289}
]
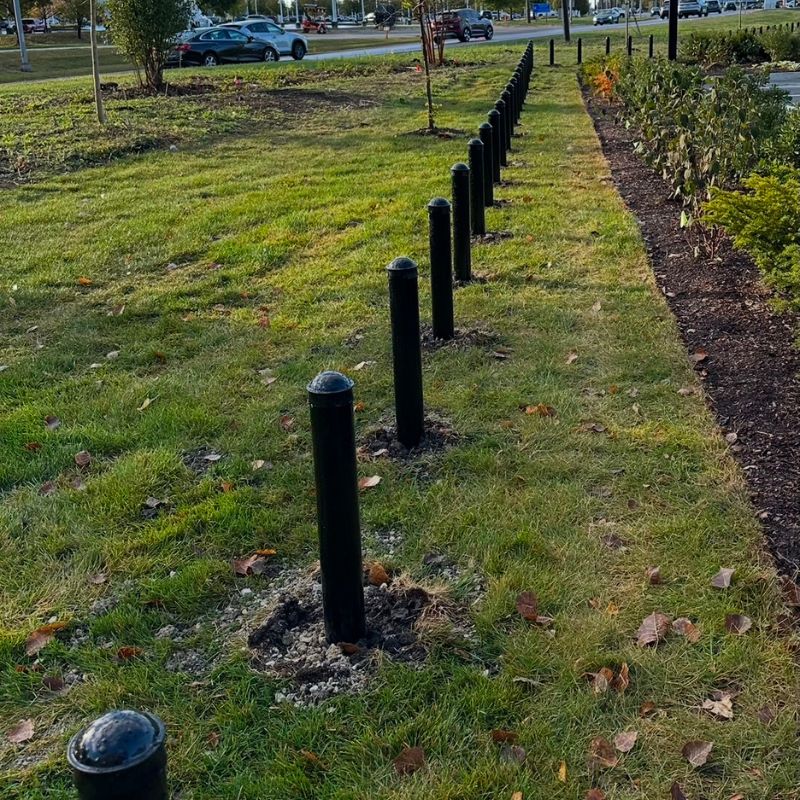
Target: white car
[{"x": 265, "y": 30}]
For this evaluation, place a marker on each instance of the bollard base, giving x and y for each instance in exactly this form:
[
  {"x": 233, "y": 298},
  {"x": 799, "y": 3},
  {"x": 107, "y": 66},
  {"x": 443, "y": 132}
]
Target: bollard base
[{"x": 381, "y": 442}]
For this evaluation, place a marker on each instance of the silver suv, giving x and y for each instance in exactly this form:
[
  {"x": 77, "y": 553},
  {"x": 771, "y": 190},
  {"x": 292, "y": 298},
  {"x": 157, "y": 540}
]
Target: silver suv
[
  {"x": 265, "y": 30},
  {"x": 692, "y": 8}
]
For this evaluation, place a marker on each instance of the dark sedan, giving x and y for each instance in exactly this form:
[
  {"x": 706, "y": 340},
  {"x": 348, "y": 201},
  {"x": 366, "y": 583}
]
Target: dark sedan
[{"x": 221, "y": 45}]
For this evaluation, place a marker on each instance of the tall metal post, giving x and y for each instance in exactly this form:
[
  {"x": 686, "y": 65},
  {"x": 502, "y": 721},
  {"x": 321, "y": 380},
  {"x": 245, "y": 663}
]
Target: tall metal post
[
  {"x": 462, "y": 254},
  {"x": 672, "y": 35},
  {"x": 441, "y": 268},
  {"x": 25, "y": 64},
  {"x": 476, "y": 183},
  {"x": 487, "y": 135}
]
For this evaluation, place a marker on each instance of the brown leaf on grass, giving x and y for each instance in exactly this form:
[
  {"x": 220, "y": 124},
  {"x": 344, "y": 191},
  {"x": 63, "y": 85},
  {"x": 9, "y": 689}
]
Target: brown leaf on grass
[
  {"x": 513, "y": 753},
  {"x": 409, "y": 761},
  {"x": 32, "y": 447},
  {"x": 676, "y": 793},
  {"x": 359, "y": 407},
  {"x": 51, "y": 422},
  {"x": 528, "y": 606},
  {"x": 601, "y": 753},
  {"x": 378, "y": 575},
  {"x": 720, "y": 705},
  {"x": 653, "y": 629},
  {"x": 47, "y": 488},
  {"x": 349, "y": 649},
  {"x": 254, "y": 564},
  {"x": 791, "y": 592},
  {"x": 53, "y": 683},
  {"x": 312, "y": 759},
  {"x": 738, "y": 624},
  {"x": 697, "y": 752},
  {"x": 653, "y": 575},
  {"x": 540, "y": 410},
  {"x": 42, "y": 637},
  {"x": 369, "y": 483},
  {"x": 517, "y": 796},
  {"x": 22, "y": 732},
  {"x": 83, "y": 459},
  {"x": 765, "y": 715},
  {"x": 226, "y": 486},
  {"x": 722, "y": 580},
  {"x": 572, "y": 357},
  {"x": 647, "y": 709},
  {"x": 683, "y": 626},
  {"x": 267, "y": 552},
  {"x": 562, "y": 772},
  {"x": 500, "y": 736},
  {"x": 287, "y": 422},
  {"x": 622, "y": 681},
  {"x": 146, "y": 403},
  {"x": 592, "y": 427},
  {"x": 625, "y": 741},
  {"x": 601, "y": 680},
  {"x": 213, "y": 739},
  {"x": 595, "y": 794},
  {"x": 98, "y": 578},
  {"x": 129, "y": 653},
  {"x": 84, "y": 281}
]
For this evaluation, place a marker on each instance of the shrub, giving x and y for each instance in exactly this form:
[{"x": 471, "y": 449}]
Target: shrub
[
  {"x": 602, "y": 74},
  {"x": 144, "y": 31},
  {"x": 721, "y": 49},
  {"x": 699, "y": 132},
  {"x": 785, "y": 147},
  {"x": 781, "y": 45},
  {"x": 764, "y": 221}
]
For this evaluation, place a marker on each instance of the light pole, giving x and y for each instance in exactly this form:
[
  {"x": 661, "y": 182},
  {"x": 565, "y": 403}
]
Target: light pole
[
  {"x": 672, "y": 45},
  {"x": 25, "y": 64}
]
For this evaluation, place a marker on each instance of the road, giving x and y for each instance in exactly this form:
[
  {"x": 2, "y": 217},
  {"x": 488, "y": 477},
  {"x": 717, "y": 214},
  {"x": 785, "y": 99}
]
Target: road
[{"x": 789, "y": 82}]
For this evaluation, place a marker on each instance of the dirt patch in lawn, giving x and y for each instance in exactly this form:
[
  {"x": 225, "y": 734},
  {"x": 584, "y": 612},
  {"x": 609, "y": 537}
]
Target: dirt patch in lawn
[
  {"x": 382, "y": 442},
  {"x": 752, "y": 367}
]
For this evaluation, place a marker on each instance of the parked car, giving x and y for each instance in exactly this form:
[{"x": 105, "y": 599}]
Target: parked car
[
  {"x": 691, "y": 8},
  {"x": 218, "y": 46},
  {"x": 265, "y": 30},
  {"x": 608, "y": 17},
  {"x": 655, "y": 11},
  {"x": 30, "y": 25},
  {"x": 731, "y": 5},
  {"x": 463, "y": 24},
  {"x": 386, "y": 15},
  {"x": 713, "y": 7}
]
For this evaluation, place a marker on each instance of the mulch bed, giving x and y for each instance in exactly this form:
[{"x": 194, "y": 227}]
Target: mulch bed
[{"x": 751, "y": 373}]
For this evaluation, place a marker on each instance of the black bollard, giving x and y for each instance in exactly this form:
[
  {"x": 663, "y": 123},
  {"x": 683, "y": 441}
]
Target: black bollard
[
  {"x": 511, "y": 87},
  {"x": 120, "y": 756},
  {"x": 406, "y": 351},
  {"x": 630, "y": 46},
  {"x": 476, "y": 182},
  {"x": 580, "y": 50},
  {"x": 650, "y": 46},
  {"x": 441, "y": 268},
  {"x": 462, "y": 256},
  {"x": 552, "y": 52},
  {"x": 486, "y": 135},
  {"x": 608, "y": 45},
  {"x": 500, "y": 107},
  {"x": 508, "y": 99},
  {"x": 494, "y": 120},
  {"x": 330, "y": 397},
  {"x": 519, "y": 82}
]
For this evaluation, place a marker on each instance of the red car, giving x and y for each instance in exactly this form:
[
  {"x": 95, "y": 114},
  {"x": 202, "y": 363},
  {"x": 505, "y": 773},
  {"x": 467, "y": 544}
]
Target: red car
[{"x": 463, "y": 24}]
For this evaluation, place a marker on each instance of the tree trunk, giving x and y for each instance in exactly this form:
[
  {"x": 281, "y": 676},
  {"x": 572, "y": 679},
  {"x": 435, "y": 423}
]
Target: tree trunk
[
  {"x": 78, "y": 27},
  {"x": 426, "y": 59},
  {"x": 98, "y": 94}
]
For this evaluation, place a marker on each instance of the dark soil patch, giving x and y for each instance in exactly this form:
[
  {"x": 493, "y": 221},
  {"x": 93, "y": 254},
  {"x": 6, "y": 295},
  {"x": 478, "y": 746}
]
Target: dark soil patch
[
  {"x": 752, "y": 370},
  {"x": 464, "y": 337},
  {"x": 501, "y": 203},
  {"x": 493, "y": 237},
  {"x": 439, "y": 133},
  {"x": 200, "y": 460},
  {"x": 382, "y": 442},
  {"x": 291, "y": 642}
]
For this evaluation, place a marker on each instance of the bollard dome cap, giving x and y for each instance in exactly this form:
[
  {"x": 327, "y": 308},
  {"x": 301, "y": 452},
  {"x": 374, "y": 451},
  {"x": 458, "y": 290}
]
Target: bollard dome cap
[
  {"x": 402, "y": 264},
  {"x": 477, "y": 142},
  {"x": 439, "y": 202},
  {"x": 485, "y": 126},
  {"x": 330, "y": 388},
  {"x": 117, "y": 740},
  {"x": 459, "y": 166}
]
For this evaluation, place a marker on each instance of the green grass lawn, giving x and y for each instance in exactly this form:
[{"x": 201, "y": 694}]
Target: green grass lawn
[{"x": 261, "y": 244}]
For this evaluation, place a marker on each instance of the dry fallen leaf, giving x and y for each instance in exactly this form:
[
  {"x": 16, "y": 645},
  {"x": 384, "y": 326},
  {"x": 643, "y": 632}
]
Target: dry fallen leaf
[
  {"x": 699, "y": 356},
  {"x": 647, "y": 709},
  {"x": 653, "y": 575},
  {"x": 98, "y": 578},
  {"x": 765, "y": 715},
  {"x": 676, "y": 793},
  {"x": 513, "y": 753},
  {"x": 146, "y": 403},
  {"x": 252, "y": 565},
  {"x": 517, "y": 796},
  {"x": 601, "y": 753},
  {"x": 528, "y": 606},
  {"x": 21, "y": 733},
  {"x": 722, "y": 580},
  {"x": 738, "y": 623},
  {"x": 500, "y": 736},
  {"x": 83, "y": 281},
  {"x": 287, "y": 422},
  {"x": 697, "y": 752},
  {"x": 53, "y": 683},
  {"x": 625, "y": 741},
  {"x": 83, "y": 459},
  {"x": 378, "y": 575},
  {"x": 595, "y": 794},
  {"x": 42, "y": 636},
  {"x": 686, "y": 628},
  {"x": 791, "y": 592},
  {"x": 369, "y": 483},
  {"x": 721, "y": 706},
  {"x": 653, "y": 629},
  {"x": 349, "y": 649},
  {"x": 47, "y": 488},
  {"x": 622, "y": 681},
  {"x": 572, "y": 358},
  {"x": 409, "y": 761},
  {"x": 52, "y": 422},
  {"x": 32, "y": 447},
  {"x": 562, "y": 772},
  {"x": 128, "y": 653},
  {"x": 540, "y": 410}
]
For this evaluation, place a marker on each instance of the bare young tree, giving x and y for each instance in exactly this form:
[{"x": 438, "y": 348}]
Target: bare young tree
[{"x": 98, "y": 93}]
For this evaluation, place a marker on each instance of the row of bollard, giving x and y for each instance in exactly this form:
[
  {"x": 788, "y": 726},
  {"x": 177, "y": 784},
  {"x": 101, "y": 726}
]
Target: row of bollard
[
  {"x": 121, "y": 755},
  {"x": 628, "y": 48}
]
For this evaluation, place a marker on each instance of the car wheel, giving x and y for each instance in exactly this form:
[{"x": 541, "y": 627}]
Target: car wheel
[
  {"x": 210, "y": 60},
  {"x": 489, "y": 32},
  {"x": 466, "y": 35},
  {"x": 298, "y": 51},
  {"x": 270, "y": 54},
  {"x": 322, "y": 29}
]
